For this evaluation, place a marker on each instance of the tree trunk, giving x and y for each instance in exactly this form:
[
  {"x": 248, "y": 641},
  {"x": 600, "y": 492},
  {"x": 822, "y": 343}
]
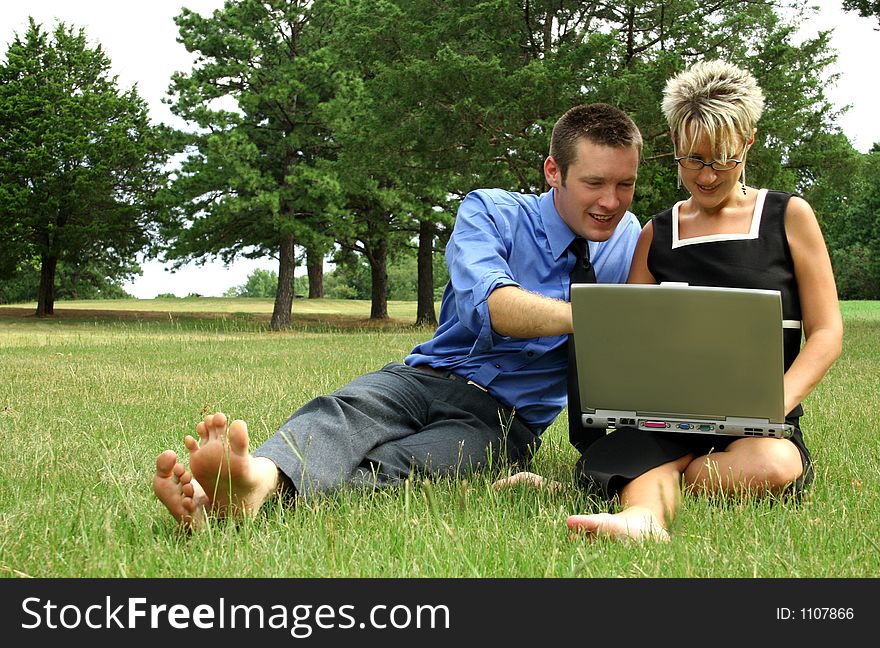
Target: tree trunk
[
  {"x": 46, "y": 292},
  {"x": 425, "y": 313},
  {"x": 315, "y": 268},
  {"x": 281, "y": 314},
  {"x": 378, "y": 258}
]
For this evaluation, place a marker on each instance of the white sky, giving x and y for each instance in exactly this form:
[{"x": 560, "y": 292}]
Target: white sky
[{"x": 140, "y": 39}]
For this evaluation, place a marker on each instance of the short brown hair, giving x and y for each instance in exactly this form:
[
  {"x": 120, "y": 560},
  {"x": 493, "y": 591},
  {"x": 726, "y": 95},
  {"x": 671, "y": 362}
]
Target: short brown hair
[{"x": 600, "y": 123}]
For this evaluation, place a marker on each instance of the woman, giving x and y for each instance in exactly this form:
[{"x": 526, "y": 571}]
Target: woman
[{"x": 725, "y": 234}]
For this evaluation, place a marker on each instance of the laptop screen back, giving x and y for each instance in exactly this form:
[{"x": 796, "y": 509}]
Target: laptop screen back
[{"x": 679, "y": 350}]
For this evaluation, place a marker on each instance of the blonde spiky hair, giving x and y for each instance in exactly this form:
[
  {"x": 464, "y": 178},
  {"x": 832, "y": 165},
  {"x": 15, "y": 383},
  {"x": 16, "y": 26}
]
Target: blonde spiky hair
[{"x": 713, "y": 99}]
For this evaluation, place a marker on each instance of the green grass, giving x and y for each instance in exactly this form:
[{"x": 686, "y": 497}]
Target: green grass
[
  {"x": 215, "y": 308},
  {"x": 88, "y": 401}
]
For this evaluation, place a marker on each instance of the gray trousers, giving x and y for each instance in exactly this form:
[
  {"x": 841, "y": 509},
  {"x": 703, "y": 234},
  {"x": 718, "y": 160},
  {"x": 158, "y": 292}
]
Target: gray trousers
[{"x": 386, "y": 425}]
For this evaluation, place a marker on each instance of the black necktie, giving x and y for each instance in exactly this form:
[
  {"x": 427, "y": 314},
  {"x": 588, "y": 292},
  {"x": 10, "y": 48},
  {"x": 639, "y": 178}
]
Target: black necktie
[{"x": 579, "y": 436}]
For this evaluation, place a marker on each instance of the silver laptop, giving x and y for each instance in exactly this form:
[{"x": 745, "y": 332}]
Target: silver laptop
[{"x": 679, "y": 358}]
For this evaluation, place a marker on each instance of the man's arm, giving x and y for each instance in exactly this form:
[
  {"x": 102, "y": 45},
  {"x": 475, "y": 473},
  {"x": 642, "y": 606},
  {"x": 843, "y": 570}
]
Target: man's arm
[{"x": 515, "y": 312}]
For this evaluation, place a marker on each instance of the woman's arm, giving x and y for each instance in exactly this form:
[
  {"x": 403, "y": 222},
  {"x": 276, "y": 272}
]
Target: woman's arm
[
  {"x": 823, "y": 326},
  {"x": 638, "y": 271}
]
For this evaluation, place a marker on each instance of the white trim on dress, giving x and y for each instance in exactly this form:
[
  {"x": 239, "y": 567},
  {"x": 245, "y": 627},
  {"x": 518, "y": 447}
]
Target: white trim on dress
[{"x": 711, "y": 238}]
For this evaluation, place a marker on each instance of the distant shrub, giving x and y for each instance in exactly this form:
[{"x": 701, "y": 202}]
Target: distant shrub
[
  {"x": 857, "y": 272},
  {"x": 260, "y": 283}
]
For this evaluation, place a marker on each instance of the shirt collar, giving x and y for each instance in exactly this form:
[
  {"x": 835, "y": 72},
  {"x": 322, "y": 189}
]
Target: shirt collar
[{"x": 558, "y": 233}]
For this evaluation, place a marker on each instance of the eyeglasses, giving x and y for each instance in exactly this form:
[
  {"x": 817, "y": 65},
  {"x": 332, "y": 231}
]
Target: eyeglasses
[{"x": 696, "y": 164}]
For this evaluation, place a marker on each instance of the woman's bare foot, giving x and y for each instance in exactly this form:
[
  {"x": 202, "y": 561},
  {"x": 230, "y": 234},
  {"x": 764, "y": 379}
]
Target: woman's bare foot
[
  {"x": 234, "y": 482},
  {"x": 633, "y": 523},
  {"x": 179, "y": 492}
]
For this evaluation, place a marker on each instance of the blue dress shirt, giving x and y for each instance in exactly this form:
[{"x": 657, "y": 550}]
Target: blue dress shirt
[{"x": 503, "y": 238}]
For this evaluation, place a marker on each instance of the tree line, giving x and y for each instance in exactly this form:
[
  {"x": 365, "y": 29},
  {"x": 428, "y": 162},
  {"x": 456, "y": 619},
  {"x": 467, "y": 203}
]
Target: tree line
[
  {"x": 349, "y": 130},
  {"x": 349, "y": 281}
]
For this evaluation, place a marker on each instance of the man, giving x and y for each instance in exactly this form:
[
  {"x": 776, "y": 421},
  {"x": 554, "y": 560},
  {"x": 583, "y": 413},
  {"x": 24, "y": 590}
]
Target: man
[{"x": 491, "y": 379}]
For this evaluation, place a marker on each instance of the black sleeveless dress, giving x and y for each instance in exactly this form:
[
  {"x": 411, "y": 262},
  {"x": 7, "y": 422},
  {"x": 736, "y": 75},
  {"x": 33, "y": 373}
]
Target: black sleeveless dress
[{"x": 758, "y": 259}]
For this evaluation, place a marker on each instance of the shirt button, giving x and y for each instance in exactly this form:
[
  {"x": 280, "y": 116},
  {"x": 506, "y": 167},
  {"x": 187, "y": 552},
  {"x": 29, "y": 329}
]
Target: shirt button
[
  {"x": 530, "y": 353},
  {"x": 498, "y": 366}
]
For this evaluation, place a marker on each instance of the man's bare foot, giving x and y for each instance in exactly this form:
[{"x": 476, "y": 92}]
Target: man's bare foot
[
  {"x": 633, "y": 523},
  {"x": 529, "y": 479},
  {"x": 179, "y": 492},
  {"x": 234, "y": 482}
]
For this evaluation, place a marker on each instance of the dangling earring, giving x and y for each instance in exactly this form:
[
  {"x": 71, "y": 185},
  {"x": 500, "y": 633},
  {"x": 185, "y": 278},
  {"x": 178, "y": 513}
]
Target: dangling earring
[
  {"x": 742, "y": 180},
  {"x": 678, "y": 178}
]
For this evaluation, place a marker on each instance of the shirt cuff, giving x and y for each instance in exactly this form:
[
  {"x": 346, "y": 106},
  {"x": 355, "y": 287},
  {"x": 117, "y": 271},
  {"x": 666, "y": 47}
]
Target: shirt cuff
[{"x": 486, "y": 337}]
